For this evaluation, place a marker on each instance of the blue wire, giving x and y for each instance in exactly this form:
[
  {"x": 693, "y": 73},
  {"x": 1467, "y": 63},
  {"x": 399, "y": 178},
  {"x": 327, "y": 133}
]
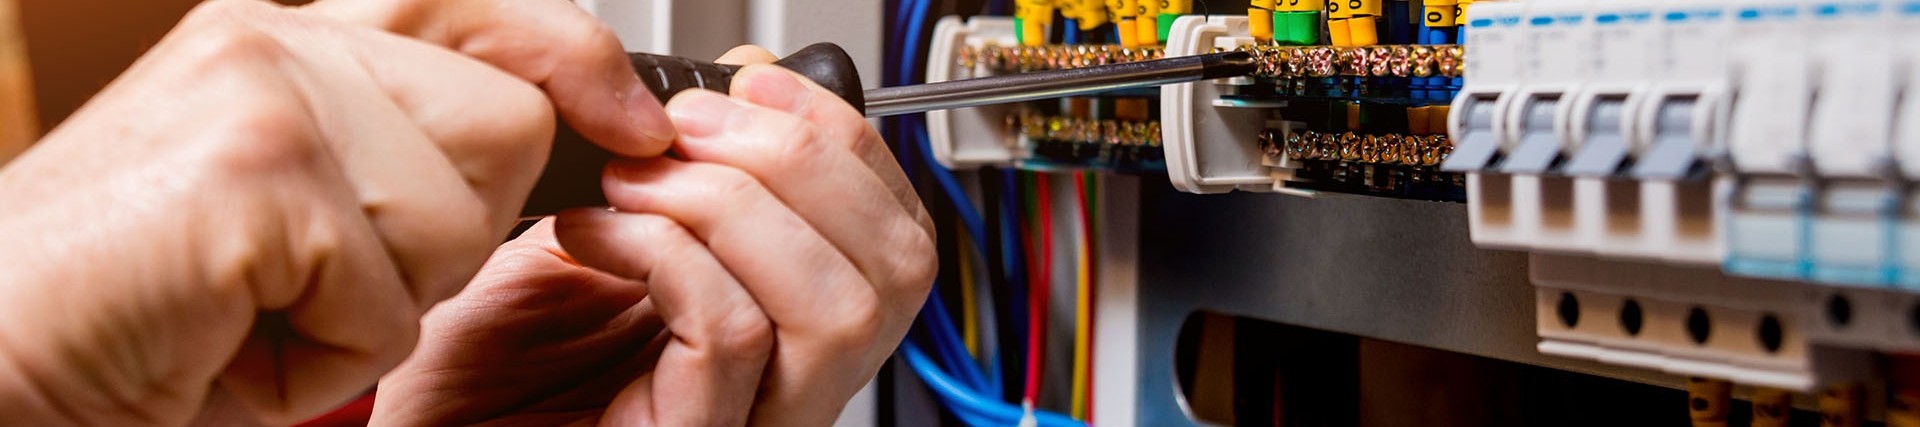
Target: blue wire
[
  {"x": 966, "y": 417},
  {"x": 969, "y": 213},
  {"x": 900, "y": 15},
  {"x": 948, "y": 343},
  {"x": 962, "y": 402},
  {"x": 894, "y": 50},
  {"x": 971, "y": 216}
]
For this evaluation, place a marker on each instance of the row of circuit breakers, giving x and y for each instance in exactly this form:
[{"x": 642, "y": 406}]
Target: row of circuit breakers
[{"x": 1713, "y": 188}]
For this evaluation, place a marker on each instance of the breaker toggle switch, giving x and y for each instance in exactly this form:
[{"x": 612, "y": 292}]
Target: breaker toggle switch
[
  {"x": 1605, "y": 149},
  {"x": 1538, "y": 146},
  {"x": 1477, "y": 144},
  {"x": 1673, "y": 150}
]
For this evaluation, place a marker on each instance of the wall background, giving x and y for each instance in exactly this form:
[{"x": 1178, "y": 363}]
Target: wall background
[{"x": 77, "y": 46}]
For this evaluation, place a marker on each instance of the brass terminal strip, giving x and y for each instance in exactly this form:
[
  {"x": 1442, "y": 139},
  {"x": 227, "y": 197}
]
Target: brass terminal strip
[
  {"x": 1366, "y": 61},
  {"x": 1392, "y": 149},
  {"x": 1017, "y": 59},
  {"x": 1276, "y": 61},
  {"x": 1085, "y": 130}
]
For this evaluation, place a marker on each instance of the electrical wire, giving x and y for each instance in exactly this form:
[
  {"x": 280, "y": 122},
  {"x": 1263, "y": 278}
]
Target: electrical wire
[
  {"x": 1040, "y": 289},
  {"x": 943, "y": 384},
  {"x": 967, "y": 404},
  {"x": 1092, "y": 216},
  {"x": 1083, "y": 306},
  {"x": 969, "y": 303},
  {"x": 1013, "y": 249},
  {"x": 969, "y": 213},
  {"x": 916, "y": 139},
  {"x": 947, "y": 341}
]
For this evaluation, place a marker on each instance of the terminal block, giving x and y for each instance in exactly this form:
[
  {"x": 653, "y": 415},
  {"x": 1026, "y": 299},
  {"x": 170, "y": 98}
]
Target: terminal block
[
  {"x": 1115, "y": 132},
  {"x": 1316, "y": 120}
]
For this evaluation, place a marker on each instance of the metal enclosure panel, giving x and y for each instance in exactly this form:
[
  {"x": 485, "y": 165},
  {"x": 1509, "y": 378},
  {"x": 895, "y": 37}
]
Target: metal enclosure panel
[
  {"x": 1395, "y": 270},
  {"x": 695, "y": 29},
  {"x": 785, "y": 26}
]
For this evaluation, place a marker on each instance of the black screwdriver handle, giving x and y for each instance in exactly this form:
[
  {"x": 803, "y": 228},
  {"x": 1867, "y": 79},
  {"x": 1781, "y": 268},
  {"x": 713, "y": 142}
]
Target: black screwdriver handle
[
  {"x": 572, "y": 176},
  {"x": 824, "y": 63}
]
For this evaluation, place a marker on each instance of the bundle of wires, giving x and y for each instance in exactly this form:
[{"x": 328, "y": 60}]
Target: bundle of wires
[{"x": 972, "y": 393}]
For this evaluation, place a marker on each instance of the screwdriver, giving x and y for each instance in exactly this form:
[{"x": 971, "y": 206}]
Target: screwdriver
[{"x": 565, "y": 184}]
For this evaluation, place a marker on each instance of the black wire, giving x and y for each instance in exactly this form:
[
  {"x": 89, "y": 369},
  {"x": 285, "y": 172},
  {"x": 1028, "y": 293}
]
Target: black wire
[{"x": 1003, "y": 293}]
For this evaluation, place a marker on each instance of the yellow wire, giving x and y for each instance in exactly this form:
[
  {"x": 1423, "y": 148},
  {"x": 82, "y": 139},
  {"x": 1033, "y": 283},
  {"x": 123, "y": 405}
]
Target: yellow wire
[
  {"x": 969, "y": 313},
  {"x": 1083, "y": 319}
]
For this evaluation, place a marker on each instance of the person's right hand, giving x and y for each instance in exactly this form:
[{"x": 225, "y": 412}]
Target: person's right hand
[
  {"x": 760, "y": 277},
  {"x": 256, "y": 214}
]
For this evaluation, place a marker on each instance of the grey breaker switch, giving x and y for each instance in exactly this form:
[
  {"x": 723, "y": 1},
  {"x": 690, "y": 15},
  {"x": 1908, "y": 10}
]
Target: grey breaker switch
[
  {"x": 1673, "y": 152},
  {"x": 1539, "y": 146},
  {"x": 1605, "y": 148},
  {"x": 1478, "y": 146}
]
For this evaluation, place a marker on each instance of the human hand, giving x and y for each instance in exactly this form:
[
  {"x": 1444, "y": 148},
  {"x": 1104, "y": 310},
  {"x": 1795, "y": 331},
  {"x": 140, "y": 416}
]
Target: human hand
[
  {"x": 257, "y": 212},
  {"x": 762, "y": 278}
]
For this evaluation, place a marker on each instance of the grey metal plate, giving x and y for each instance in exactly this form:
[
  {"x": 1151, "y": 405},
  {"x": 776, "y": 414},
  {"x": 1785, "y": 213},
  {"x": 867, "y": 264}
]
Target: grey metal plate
[{"x": 1394, "y": 270}]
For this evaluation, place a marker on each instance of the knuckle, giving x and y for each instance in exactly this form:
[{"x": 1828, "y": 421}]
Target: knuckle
[
  {"x": 660, "y": 228},
  {"x": 502, "y": 153},
  {"x": 857, "y": 324},
  {"x": 539, "y": 121},
  {"x": 230, "y": 31},
  {"x": 599, "y": 38},
  {"x": 732, "y": 184},
  {"x": 744, "y": 333},
  {"x": 849, "y": 124},
  {"x": 268, "y": 137},
  {"x": 592, "y": 41},
  {"x": 916, "y": 264},
  {"x": 790, "y": 141},
  {"x": 224, "y": 10}
]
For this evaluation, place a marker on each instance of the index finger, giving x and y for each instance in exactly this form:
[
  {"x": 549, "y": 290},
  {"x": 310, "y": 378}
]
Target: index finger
[{"x": 570, "y": 54}]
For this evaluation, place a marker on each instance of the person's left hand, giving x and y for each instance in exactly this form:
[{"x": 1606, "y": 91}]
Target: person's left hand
[{"x": 763, "y": 277}]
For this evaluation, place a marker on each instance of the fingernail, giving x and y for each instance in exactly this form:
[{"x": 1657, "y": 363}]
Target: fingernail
[
  {"x": 777, "y": 89},
  {"x": 645, "y": 112},
  {"x": 700, "y": 114}
]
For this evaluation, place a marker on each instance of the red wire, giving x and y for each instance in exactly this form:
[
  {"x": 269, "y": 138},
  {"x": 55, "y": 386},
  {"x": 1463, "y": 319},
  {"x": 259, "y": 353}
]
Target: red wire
[{"x": 1039, "y": 286}]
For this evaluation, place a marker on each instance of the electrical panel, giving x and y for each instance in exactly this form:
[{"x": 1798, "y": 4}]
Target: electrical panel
[
  {"x": 1717, "y": 189},
  {"x": 1112, "y": 132}
]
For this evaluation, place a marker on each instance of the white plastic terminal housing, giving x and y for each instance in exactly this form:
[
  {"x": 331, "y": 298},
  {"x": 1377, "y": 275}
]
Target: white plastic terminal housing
[
  {"x": 1675, "y": 121},
  {"x": 969, "y": 138},
  {"x": 1607, "y": 211},
  {"x": 1770, "y": 70},
  {"x": 1691, "y": 321},
  {"x": 1210, "y": 147},
  {"x": 1479, "y": 118}
]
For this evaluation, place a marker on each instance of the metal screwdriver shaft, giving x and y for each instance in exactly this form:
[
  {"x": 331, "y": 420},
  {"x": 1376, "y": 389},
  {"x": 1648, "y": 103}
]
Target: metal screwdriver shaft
[
  {"x": 830, "y": 66},
  {"x": 1055, "y": 84}
]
